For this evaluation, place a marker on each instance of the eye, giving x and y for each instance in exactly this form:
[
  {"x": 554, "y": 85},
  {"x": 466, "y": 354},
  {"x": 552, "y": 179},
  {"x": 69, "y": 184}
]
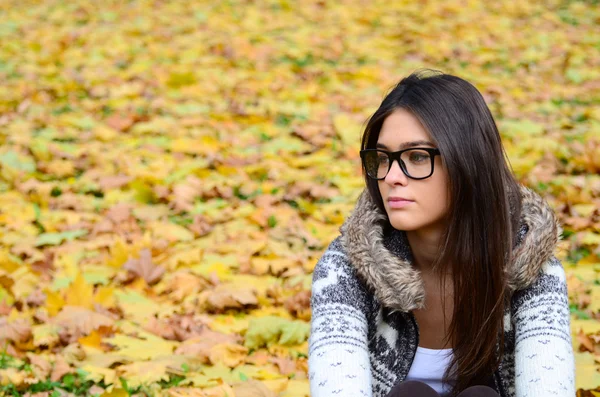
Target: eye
[{"x": 418, "y": 157}]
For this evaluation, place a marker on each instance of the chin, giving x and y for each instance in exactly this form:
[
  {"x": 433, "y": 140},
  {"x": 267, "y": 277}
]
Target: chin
[
  {"x": 402, "y": 224},
  {"x": 404, "y": 227}
]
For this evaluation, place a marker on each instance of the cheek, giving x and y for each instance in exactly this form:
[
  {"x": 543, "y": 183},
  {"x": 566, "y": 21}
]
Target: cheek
[
  {"x": 437, "y": 196},
  {"x": 382, "y": 188}
]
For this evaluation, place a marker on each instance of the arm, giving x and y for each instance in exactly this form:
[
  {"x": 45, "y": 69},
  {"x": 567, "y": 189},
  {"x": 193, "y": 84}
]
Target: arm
[
  {"x": 544, "y": 360},
  {"x": 338, "y": 357}
]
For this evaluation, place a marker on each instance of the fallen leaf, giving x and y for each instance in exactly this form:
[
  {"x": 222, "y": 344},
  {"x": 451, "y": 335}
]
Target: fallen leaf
[{"x": 145, "y": 268}]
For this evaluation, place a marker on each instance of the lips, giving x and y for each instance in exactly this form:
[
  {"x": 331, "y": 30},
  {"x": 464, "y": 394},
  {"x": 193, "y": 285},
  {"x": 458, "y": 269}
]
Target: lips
[
  {"x": 398, "y": 199},
  {"x": 395, "y": 202}
]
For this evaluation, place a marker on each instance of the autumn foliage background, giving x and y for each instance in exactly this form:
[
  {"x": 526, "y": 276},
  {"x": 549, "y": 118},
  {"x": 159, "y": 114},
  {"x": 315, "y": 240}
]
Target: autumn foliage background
[{"x": 171, "y": 171}]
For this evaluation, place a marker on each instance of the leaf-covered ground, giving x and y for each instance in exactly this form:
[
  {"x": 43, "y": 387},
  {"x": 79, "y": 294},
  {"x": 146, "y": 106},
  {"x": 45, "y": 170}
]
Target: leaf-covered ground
[{"x": 171, "y": 171}]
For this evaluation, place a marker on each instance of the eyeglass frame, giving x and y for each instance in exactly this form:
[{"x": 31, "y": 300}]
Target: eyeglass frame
[{"x": 395, "y": 156}]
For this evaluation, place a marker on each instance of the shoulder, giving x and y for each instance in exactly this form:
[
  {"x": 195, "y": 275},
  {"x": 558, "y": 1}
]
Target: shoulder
[
  {"x": 335, "y": 280},
  {"x": 550, "y": 286},
  {"x": 535, "y": 241}
]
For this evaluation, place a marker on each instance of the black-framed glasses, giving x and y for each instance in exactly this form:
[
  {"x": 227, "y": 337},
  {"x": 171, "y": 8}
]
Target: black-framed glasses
[{"x": 416, "y": 163}]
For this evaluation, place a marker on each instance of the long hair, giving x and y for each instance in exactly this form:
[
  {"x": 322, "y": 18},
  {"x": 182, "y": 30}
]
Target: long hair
[{"x": 483, "y": 212}]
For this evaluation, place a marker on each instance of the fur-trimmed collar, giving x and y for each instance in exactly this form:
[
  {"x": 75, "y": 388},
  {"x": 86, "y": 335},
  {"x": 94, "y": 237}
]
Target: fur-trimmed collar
[{"x": 384, "y": 262}]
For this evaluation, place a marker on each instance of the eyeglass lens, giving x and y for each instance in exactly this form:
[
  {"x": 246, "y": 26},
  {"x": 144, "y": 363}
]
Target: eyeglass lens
[{"x": 417, "y": 163}]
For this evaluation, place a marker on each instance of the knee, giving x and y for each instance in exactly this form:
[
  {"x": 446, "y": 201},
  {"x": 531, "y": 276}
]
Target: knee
[
  {"x": 412, "y": 388},
  {"x": 478, "y": 391}
]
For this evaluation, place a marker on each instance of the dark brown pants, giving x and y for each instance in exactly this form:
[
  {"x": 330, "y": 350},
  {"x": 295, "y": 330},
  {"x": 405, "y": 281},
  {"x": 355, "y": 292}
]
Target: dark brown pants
[{"x": 418, "y": 389}]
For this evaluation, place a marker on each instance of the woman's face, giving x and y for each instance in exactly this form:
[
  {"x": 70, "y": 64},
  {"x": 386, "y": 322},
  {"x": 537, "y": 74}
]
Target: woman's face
[{"x": 429, "y": 196}]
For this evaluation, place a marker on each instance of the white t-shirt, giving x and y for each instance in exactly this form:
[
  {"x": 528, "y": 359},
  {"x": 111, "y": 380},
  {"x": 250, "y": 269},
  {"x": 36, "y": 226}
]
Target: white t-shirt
[{"x": 429, "y": 366}]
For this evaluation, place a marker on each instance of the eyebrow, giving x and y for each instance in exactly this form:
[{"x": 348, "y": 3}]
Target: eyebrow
[{"x": 406, "y": 145}]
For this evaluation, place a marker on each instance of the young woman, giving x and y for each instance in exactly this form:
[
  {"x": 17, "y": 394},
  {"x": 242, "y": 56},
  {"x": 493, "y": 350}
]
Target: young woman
[{"x": 443, "y": 280}]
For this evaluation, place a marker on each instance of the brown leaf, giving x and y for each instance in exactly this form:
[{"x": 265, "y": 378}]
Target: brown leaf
[
  {"x": 144, "y": 267},
  {"x": 201, "y": 345},
  {"x": 224, "y": 296},
  {"x": 38, "y": 394},
  {"x": 41, "y": 365},
  {"x": 185, "y": 193},
  {"x": 96, "y": 390},
  {"x": 120, "y": 122},
  {"x": 114, "y": 181},
  {"x": 586, "y": 343},
  {"x": 67, "y": 201},
  {"x": 286, "y": 365},
  {"x": 252, "y": 388},
  {"x": 5, "y": 308},
  {"x": 61, "y": 368},
  {"x": 183, "y": 283},
  {"x": 298, "y": 302},
  {"x": 36, "y": 298},
  {"x": 119, "y": 213},
  {"x": 229, "y": 354},
  {"x": 200, "y": 226},
  {"x": 16, "y": 331},
  {"x": 78, "y": 321}
]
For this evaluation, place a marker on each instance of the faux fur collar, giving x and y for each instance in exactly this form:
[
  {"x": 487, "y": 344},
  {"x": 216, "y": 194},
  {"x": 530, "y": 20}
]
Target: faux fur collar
[{"x": 384, "y": 262}]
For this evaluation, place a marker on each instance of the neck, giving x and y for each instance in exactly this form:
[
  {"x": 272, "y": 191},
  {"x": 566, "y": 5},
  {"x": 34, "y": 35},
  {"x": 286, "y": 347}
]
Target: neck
[{"x": 424, "y": 245}]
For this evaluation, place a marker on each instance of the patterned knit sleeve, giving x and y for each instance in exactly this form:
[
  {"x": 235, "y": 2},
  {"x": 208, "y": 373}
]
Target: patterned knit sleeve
[
  {"x": 338, "y": 358},
  {"x": 544, "y": 360}
]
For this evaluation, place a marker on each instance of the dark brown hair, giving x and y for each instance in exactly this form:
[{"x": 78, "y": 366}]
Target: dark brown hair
[{"x": 483, "y": 215}]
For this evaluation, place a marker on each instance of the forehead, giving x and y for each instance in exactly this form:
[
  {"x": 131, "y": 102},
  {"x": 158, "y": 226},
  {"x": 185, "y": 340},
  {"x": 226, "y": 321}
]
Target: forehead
[{"x": 401, "y": 126}]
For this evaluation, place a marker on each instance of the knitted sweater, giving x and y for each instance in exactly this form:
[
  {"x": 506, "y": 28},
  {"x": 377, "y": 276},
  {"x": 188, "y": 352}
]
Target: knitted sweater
[{"x": 363, "y": 333}]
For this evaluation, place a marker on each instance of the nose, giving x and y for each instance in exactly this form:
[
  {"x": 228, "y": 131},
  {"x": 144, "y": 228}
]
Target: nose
[{"x": 396, "y": 175}]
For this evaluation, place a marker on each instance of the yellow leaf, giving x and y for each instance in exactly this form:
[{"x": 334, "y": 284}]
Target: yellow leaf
[
  {"x": 142, "y": 349},
  {"x": 229, "y": 354},
  {"x": 98, "y": 374},
  {"x": 228, "y": 324},
  {"x": 25, "y": 282},
  {"x": 54, "y": 301},
  {"x": 7, "y": 262},
  {"x": 5, "y": 295},
  {"x": 584, "y": 210},
  {"x": 197, "y": 380},
  {"x": 115, "y": 392},
  {"x": 12, "y": 376},
  {"x": 297, "y": 388},
  {"x": 272, "y": 265},
  {"x": 265, "y": 373},
  {"x": 119, "y": 253},
  {"x": 105, "y": 296},
  {"x": 92, "y": 340},
  {"x": 595, "y": 299},
  {"x": 589, "y": 238},
  {"x": 139, "y": 373},
  {"x": 347, "y": 129},
  {"x": 586, "y": 375},
  {"x": 60, "y": 168},
  {"x": 80, "y": 293},
  {"x": 252, "y": 388},
  {"x": 202, "y": 146},
  {"x": 105, "y": 133},
  {"x": 170, "y": 232},
  {"x": 276, "y": 385},
  {"x": 220, "y": 371},
  {"x": 207, "y": 268},
  {"x": 45, "y": 334},
  {"x": 136, "y": 306},
  {"x": 67, "y": 263},
  {"x": 591, "y": 259}
]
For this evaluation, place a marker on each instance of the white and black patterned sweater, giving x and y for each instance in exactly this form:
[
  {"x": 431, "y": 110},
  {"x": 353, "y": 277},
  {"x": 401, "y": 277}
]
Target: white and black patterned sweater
[{"x": 364, "y": 337}]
